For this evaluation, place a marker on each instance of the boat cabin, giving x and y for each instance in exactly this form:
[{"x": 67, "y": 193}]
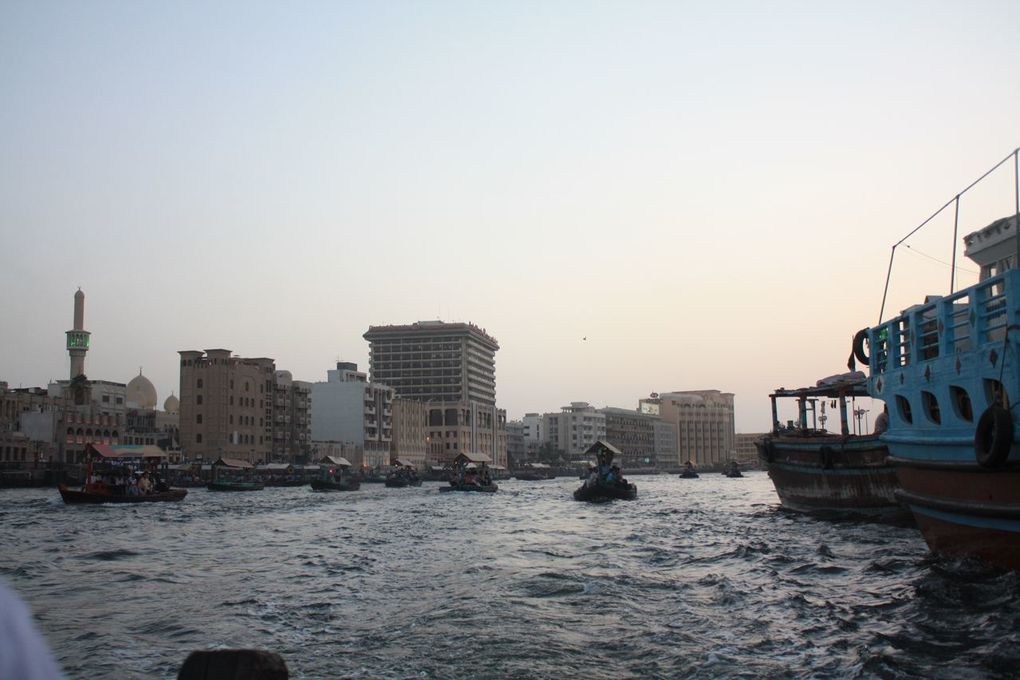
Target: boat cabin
[
  {"x": 232, "y": 470},
  {"x": 839, "y": 392}
]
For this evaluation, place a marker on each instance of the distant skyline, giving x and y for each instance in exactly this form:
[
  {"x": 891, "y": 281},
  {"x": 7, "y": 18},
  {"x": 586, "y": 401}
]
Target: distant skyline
[{"x": 630, "y": 197}]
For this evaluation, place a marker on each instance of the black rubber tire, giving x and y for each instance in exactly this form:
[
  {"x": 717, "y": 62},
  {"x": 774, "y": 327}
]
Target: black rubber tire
[
  {"x": 993, "y": 437},
  {"x": 859, "y": 354}
]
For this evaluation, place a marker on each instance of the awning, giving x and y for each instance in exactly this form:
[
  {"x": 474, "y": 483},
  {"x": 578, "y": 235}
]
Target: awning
[
  {"x": 602, "y": 445},
  {"x": 233, "y": 463},
  {"x": 335, "y": 460},
  {"x": 127, "y": 451},
  {"x": 473, "y": 457}
]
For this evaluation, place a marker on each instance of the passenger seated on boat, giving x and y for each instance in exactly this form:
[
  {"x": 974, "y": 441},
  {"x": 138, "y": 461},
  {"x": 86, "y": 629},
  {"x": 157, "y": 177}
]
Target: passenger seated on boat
[{"x": 882, "y": 421}]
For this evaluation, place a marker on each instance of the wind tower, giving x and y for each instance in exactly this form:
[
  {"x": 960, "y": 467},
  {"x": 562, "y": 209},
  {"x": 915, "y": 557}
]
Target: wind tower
[{"x": 78, "y": 337}]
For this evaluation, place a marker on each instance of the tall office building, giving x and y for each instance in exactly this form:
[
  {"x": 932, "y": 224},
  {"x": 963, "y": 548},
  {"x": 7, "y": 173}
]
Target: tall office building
[{"x": 452, "y": 368}]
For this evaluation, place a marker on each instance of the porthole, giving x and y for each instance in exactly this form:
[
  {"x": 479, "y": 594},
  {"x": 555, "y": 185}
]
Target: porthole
[
  {"x": 931, "y": 407},
  {"x": 961, "y": 403},
  {"x": 903, "y": 406}
]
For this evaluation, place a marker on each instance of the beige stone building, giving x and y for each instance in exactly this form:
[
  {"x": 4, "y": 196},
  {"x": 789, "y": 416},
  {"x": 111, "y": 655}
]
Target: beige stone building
[
  {"x": 410, "y": 432},
  {"x": 574, "y": 428},
  {"x": 705, "y": 424},
  {"x": 451, "y": 368},
  {"x": 226, "y": 406},
  {"x": 292, "y": 419}
]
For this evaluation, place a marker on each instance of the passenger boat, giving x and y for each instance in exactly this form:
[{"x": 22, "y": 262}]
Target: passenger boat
[
  {"x": 403, "y": 476},
  {"x": 732, "y": 470},
  {"x": 534, "y": 472},
  {"x": 606, "y": 481},
  {"x": 949, "y": 371},
  {"x": 121, "y": 474},
  {"x": 689, "y": 472},
  {"x": 233, "y": 474},
  {"x": 815, "y": 470},
  {"x": 335, "y": 476},
  {"x": 471, "y": 473}
]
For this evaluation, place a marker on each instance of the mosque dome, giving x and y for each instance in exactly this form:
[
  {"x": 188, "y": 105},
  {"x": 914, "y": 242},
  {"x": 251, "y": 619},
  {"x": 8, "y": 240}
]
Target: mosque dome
[
  {"x": 141, "y": 393},
  {"x": 172, "y": 404}
]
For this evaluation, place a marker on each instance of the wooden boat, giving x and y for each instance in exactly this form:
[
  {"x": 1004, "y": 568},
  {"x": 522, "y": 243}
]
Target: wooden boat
[
  {"x": 335, "y": 476},
  {"x": 732, "y": 471},
  {"x": 689, "y": 472},
  {"x": 403, "y": 476},
  {"x": 949, "y": 371},
  {"x": 87, "y": 495},
  {"x": 814, "y": 470},
  {"x": 605, "y": 492},
  {"x": 483, "y": 488},
  {"x": 471, "y": 473},
  {"x": 606, "y": 482},
  {"x": 112, "y": 476},
  {"x": 233, "y": 474}
]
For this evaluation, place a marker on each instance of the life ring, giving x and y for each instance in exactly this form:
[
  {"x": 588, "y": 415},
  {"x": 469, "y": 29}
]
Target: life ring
[
  {"x": 859, "y": 353},
  {"x": 993, "y": 437}
]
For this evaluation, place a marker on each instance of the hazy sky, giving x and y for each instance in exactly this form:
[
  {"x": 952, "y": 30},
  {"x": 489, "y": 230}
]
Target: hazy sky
[{"x": 706, "y": 191}]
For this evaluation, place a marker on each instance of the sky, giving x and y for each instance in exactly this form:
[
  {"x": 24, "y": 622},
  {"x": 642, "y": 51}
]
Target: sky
[{"x": 631, "y": 197}]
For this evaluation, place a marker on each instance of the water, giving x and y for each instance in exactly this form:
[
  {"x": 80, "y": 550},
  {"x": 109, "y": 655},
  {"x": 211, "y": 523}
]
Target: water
[{"x": 700, "y": 578}]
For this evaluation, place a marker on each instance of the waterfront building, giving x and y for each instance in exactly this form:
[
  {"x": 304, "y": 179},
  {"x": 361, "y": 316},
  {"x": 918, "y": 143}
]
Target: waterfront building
[
  {"x": 516, "y": 448},
  {"x": 633, "y": 433},
  {"x": 666, "y": 452},
  {"x": 410, "y": 432},
  {"x": 226, "y": 406},
  {"x": 704, "y": 420},
  {"x": 451, "y": 368},
  {"x": 746, "y": 453},
  {"x": 348, "y": 408},
  {"x": 292, "y": 419},
  {"x": 532, "y": 424},
  {"x": 575, "y": 428}
]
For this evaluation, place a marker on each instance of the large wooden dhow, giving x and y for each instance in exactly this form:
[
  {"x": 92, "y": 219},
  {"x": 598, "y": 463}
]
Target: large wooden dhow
[
  {"x": 815, "y": 470},
  {"x": 949, "y": 369}
]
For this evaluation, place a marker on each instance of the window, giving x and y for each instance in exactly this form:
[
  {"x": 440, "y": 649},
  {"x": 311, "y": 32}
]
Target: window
[
  {"x": 931, "y": 407},
  {"x": 106, "y": 398},
  {"x": 903, "y": 406},
  {"x": 198, "y": 400},
  {"x": 199, "y": 383},
  {"x": 961, "y": 403},
  {"x": 198, "y": 438},
  {"x": 198, "y": 419},
  {"x": 120, "y": 400}
]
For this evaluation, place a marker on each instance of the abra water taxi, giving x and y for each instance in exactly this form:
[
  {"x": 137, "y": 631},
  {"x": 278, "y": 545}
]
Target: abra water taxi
[
  {"x": 815, "y": 470},
  {"x": 606, "y": 482},
  {"x": 949, "y": 371},
  {"x": 471, "y": 473},
  {"x": 233, "y": 474},
  {"x": 403, "y": 476},
  {"x": 122, "y": 474},
  {"x": 335, "y": 475}
]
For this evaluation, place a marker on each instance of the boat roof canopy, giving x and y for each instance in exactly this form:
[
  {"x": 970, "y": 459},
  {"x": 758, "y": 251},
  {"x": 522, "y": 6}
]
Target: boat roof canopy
[
  {"x": 123, "y": 451},
  {"x": 600, "y": 446},
  {"x": 402, "y": 463},
  {"x": 233, "y": 463},
  {"x": 844, "y": 385},
  {"x": 472, "y": 457},
  {"x": 335, "y": 460}
]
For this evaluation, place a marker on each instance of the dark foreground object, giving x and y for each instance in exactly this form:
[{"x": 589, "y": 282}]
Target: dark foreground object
[
  {"x": 484, "y": 488},
  {"x": 344, "y": 485},
  {"x": 234, "y": 664},
  {"x": 605, "y": 492}
]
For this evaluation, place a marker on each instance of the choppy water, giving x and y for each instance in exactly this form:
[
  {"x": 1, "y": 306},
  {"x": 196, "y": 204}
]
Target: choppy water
[{"x": 697, "y": 578}]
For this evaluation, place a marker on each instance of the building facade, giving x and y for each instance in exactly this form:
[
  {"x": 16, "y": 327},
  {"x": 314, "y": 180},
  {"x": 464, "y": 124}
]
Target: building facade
[
  {"x": 410, "y": 432},
  {"x": 633, "y": 433},
  {"x": 292, "y": 419},
  {"x": 451, "y": 368},
  {"x": 704, "y": 420},
  {"x": 226, "y": 406},
  {"x": 347, "y": 408},
  {"x": 574, "y": 428}
]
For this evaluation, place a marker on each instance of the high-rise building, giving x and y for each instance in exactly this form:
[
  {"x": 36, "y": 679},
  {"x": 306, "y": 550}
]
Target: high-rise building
[
  {"x": 450, "y": 367},
  {"x": 633, "y": 433},
  {"x": 226, "y": 406}
]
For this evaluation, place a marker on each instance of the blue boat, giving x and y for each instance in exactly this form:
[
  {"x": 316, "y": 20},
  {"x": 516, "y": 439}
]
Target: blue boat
[{"x": 948, "y": 370}]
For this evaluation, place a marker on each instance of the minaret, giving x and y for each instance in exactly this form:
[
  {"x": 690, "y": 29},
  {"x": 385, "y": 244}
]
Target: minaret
[{"x": 78, "y": 338}]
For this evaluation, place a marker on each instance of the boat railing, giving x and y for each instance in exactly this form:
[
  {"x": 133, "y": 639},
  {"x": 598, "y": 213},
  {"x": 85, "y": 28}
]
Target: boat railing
[{"x": 974, "y": 316}]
